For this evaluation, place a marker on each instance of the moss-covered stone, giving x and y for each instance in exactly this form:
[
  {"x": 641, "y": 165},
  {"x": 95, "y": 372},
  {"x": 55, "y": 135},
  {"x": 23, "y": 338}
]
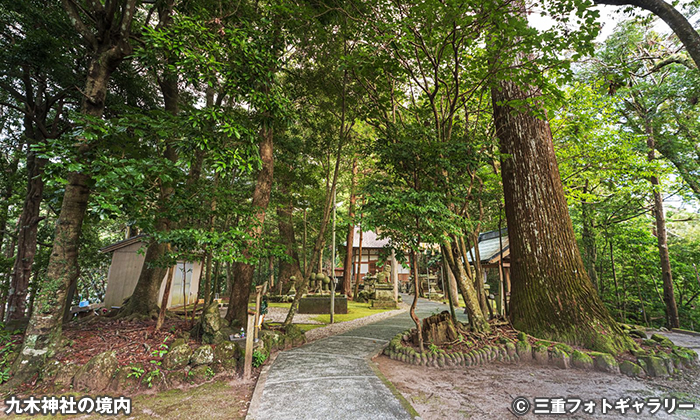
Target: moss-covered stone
[
  {"x": 178, "y": 356},
  {"x": 632, "y": 369},
  {"x": 524, "y": 350},
  {"x": 667, "y": 361},
  {"x": 650, "y": 343},
  {"x": 654, "y": 366},
  {"x": 638, "y": 352},
  {"x": 605, "y": 362},
  {"x": 564, "y": 347},
  {"x": 64, "y": 372},
  {"x": 560, "y": 358},
  {"x": 663, "y": 341},
  {"x": 637, "y": 334},
  {"x": 227, "y": 354},
  {"x": 97, "y": 373},
  {"x": 204, "y": 355},
  {"x": 127, "y": 377},
  {"x": 541, "y": 355},
  {"x": 510, "y": 349},
  {"x": 683, "y": 357},
  {"x": 522, "y": 336},
  {"x": 581, "y": 360},
  {"x": 211, "y": 324}
]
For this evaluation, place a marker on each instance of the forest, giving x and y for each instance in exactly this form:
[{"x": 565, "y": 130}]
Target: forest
[{"x": 227, "y": 132}]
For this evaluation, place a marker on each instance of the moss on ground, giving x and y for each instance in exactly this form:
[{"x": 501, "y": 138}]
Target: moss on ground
[
  {"x": 202, "y": 402},
  {"x": 355, "y": 310}
]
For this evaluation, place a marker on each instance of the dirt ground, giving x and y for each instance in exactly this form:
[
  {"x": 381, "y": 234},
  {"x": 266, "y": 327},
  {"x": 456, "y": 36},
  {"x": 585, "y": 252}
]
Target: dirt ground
[
  {"x": 487, "y": 392},
  {"x": 223, "y": 399}
]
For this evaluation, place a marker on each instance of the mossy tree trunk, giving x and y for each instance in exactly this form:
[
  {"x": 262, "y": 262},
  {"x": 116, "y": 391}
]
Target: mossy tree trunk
[
  {"x": 552, "y": 296},
  {"x": 477, "y": 320}
]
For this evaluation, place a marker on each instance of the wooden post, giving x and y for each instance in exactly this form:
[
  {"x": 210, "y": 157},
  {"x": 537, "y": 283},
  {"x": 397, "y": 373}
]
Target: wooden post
[
  {"x": 259, "y": 291},
  {"x": 272, "y": 272},
  {"x": 248, "y": 363},
  {"x": 501, "y": 287}
]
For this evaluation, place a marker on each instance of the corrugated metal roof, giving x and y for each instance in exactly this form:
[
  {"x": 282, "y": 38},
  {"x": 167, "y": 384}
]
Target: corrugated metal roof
[
  {"x": 369, "y": 239},
  {"x": 489, "y": 245},
  {"x": 122, "y": 244}
]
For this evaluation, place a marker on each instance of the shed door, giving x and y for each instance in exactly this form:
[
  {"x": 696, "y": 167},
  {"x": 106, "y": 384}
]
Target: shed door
[{"x": 176, "y": 295}]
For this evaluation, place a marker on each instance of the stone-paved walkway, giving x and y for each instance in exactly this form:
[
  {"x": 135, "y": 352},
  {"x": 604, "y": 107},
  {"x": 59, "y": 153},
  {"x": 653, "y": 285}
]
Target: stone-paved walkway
[{"x": 332, "y": 379}]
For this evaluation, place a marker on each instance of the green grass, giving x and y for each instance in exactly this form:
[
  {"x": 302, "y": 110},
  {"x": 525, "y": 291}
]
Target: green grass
[
  {"x": 355, "y": 310},
  {"x": 279, "y": 305}
]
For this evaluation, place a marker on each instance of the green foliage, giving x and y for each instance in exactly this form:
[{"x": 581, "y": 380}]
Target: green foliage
[
  {"x": 433, "y": 349},
  {"x": 151, "y": 376},
  {"x": 8, "y": 346},
  {"x": 136, "y": 372},
  {"x": 259, "y": 358}
]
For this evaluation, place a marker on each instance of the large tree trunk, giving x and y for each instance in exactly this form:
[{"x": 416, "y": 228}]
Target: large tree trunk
[
  {"x": 477, "y": 320},
  {"x": 669, "y": 296},
  {"x": 26, "y": 240},
  {"x": 347, "y": 266},
  {"x": 552, "y": 296},
  {"x": 673, "y": 18},
  {"x": 242, "y": 272},
  {"x": 288, "y": 267},
  {"x": 44, "y": 330}
]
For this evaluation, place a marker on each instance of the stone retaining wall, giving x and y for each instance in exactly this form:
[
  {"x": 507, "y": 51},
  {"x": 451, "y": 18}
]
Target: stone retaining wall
[{"x": 655, "y": 363}]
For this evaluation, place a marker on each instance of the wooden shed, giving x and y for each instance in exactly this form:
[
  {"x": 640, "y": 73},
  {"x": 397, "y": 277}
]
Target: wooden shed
[{"x": 126, "y": 266}]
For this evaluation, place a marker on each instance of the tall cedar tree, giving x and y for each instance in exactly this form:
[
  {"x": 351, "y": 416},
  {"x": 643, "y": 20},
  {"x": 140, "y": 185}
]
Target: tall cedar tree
[{"x": 552, "y": 296}]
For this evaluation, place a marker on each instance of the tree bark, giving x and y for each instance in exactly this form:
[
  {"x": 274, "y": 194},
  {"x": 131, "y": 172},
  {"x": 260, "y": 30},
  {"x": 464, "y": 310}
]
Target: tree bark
[
  {"x": 412, "y": 311},
  {"x": 672, "y": 319},
  {"x": 452, "y": 284},
  {"x": 166, "y": 297},
  {"x": 347, "y": 266},
  {"x": 27, "y": 234},
  {"x": 242, "y": 272},
  {"x": 673, "y": 18},
  {"x": 552, "y": 296},
  {"x": 288, "y": 267},
  {"x": 477, "y": 320},
  {"x": 358, "y": 271}
]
